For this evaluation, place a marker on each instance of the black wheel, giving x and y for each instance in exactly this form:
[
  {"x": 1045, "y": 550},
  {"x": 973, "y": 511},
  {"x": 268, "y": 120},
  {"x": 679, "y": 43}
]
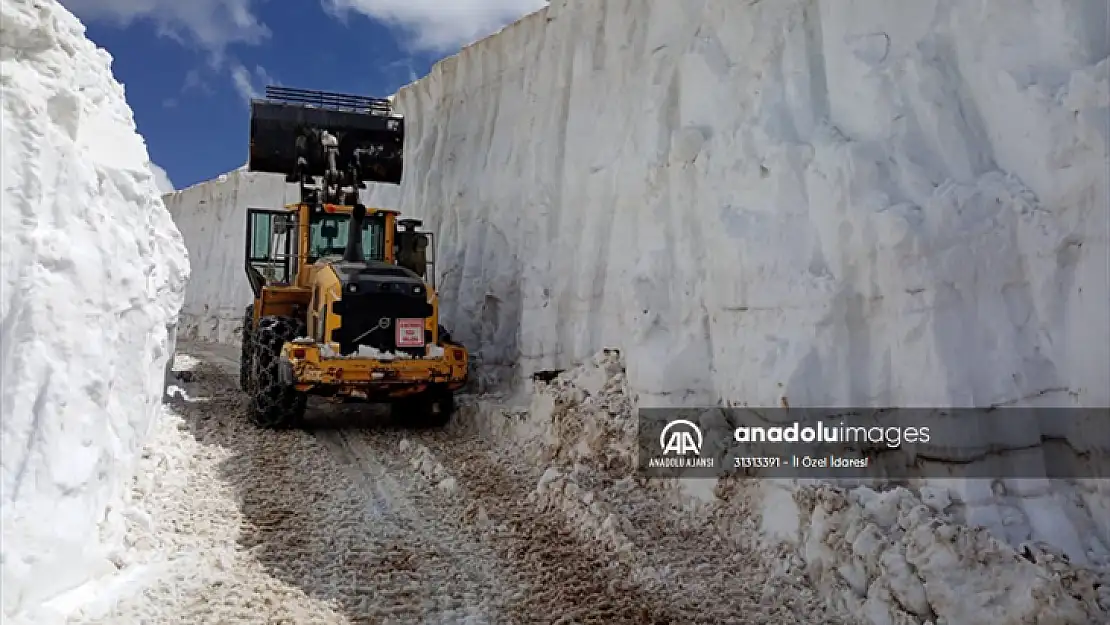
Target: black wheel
[
  {"x": 431, "y": 409},
  {"x": 245, "y": 336},
  {"x": 273, "y": 403}
]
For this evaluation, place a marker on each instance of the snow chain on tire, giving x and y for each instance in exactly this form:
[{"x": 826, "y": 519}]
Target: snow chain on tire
[
  {"x": 245, "y": 337},
  {"x": 272, "y": 403}
]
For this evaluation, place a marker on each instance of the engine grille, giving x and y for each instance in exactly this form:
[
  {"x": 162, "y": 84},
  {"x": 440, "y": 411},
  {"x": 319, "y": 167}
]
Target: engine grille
[{"x": 371, "y": 320}]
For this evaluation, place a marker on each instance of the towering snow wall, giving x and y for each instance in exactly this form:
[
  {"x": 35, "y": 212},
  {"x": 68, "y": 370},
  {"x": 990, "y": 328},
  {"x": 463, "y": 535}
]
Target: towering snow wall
[
  {"x": 842, "y": 202},
  {"x": 212, "y": 217},
  {"x": 845, "y": 202},
  {"x": 93, "y": 272}
]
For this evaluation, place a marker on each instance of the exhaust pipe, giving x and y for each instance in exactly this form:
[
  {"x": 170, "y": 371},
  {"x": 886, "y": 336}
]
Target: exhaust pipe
[{"x": 353, "y": 253}]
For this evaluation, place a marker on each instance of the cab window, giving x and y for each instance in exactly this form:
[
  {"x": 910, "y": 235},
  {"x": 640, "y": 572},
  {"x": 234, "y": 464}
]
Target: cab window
[{"x": 328, "y": 236}]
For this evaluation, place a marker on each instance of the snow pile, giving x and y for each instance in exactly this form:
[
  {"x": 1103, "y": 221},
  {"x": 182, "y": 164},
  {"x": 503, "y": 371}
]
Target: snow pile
[
  {"x": 212, "y": 217},
  {"x": 885, "y": 557},
  {"x": 592, "y": 518},
  {"x": 93, "y": 273},
  {"x": 893, "y": 559},
  {"x": 581, "y": 415}
]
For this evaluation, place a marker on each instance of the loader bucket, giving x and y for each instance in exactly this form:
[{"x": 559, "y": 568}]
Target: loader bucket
[{"x": 286, "y": 124}]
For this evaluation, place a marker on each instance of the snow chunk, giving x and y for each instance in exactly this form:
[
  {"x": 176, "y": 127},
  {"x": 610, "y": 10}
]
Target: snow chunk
[
  {"x": 94, "y": 271},
  {"x": 364, "y": 351}
]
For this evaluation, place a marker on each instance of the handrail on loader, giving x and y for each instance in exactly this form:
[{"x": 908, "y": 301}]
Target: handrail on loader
[{"x": 327, "y": 99}]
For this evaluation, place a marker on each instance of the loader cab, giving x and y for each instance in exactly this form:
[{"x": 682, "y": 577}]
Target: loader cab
[{"x": 278, "y": 247}]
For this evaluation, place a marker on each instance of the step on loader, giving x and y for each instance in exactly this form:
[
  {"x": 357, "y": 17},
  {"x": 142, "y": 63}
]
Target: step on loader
[{"x": 345, "y": 304}]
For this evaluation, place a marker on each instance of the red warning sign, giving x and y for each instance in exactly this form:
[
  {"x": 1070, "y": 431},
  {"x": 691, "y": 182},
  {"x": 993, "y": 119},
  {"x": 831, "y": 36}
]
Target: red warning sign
[{"x": 410, "y": 333}]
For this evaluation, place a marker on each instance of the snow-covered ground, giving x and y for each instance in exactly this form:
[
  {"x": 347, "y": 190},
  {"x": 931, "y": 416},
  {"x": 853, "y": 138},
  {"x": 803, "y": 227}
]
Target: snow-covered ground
[{"x": 93, "y": 271}]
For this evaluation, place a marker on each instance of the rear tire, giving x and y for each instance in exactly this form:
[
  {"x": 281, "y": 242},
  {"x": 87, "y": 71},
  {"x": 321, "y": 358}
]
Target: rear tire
[
  {"x": 431, "y": 409},
  {"x": 273, "y": 403},
  {"x": 245, "y": 337}
]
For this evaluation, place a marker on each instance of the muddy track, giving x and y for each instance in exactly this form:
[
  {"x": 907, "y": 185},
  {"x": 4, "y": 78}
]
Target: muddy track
[
  {"x": 342, "y": 512},
  {"x": 555, "y": 576},
  {"x": 679, "y": 560}
]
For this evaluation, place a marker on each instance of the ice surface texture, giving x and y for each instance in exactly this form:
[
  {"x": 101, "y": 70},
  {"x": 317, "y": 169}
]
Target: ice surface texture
[{"x": 93, "y": 271}]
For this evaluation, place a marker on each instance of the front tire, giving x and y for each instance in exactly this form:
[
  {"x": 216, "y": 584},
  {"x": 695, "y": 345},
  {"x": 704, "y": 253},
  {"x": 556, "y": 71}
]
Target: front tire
[{"x": 273, "y": 403}]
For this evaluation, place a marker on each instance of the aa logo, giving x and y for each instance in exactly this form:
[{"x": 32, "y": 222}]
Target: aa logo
[{"x": 681, "y": 437}]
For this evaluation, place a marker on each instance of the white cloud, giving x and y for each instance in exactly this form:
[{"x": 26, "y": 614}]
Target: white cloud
[
  {"x": 440, "y": 25},
  {"x": 162, "y": 179},
  {"x": 250, "y": 85},
  {"x": 211, "y": 25}
]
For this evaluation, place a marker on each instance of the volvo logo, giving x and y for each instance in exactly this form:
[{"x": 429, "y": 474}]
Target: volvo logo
[{"x": 383, "y": 323}]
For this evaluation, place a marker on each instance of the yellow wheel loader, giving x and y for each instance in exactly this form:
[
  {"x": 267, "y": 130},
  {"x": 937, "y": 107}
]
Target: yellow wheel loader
[{"x": 344, "y": 295}]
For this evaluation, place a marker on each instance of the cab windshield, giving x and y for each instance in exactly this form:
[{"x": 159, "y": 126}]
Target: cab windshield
[{"x": 328, "y": 236}]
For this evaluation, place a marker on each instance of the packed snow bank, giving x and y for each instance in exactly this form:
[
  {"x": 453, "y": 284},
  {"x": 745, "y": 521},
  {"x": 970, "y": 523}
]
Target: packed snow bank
[
  {"x": 895, "y": 556},
  {"x": 93, "y": 273},
  {"x": 843, "y": 203},
  {"x": 212, "y": 217}
]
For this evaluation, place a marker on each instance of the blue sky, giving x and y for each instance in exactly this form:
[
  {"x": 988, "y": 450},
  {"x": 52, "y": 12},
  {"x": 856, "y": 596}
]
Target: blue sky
[{"x": 189, "y": 66}]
